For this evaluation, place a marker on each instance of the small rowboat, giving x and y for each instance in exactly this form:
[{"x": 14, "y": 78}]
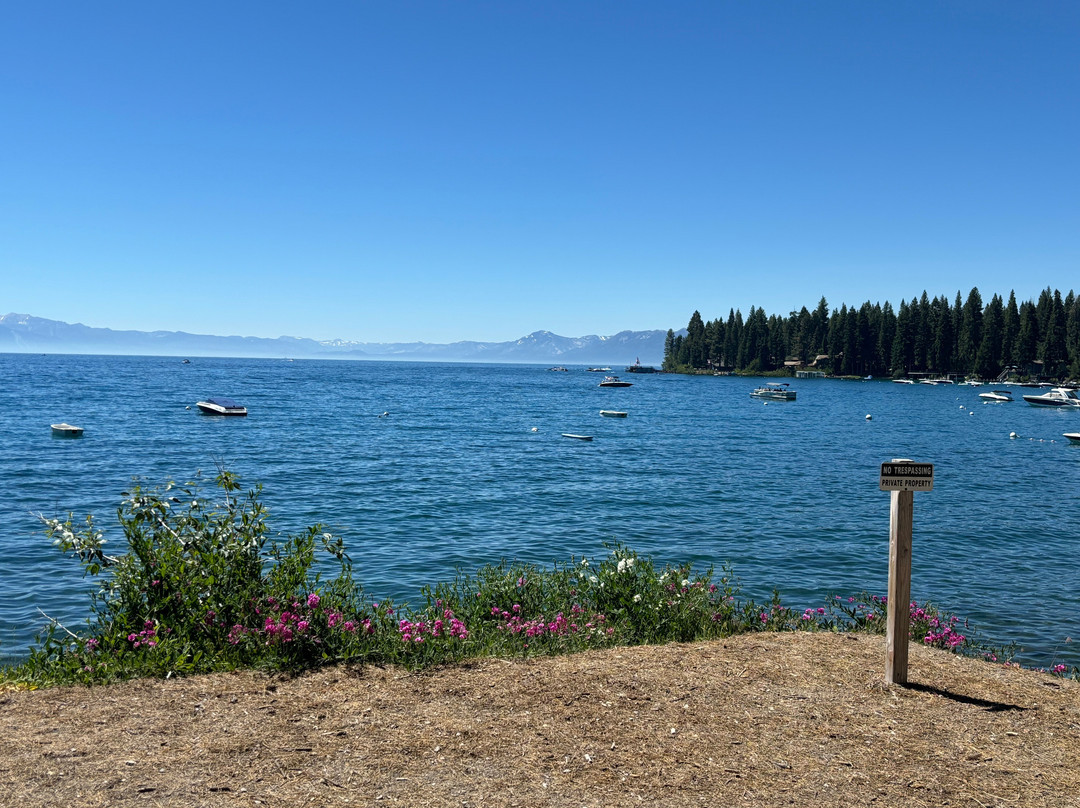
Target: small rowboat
[
  {"x": 67, "y": 431},
  {"x": 613, "y": 413},
  {"x": 577, "y": 437}
]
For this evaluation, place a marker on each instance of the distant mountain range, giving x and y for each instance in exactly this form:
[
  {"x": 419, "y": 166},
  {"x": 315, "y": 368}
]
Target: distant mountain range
[{"x": 22, "y": 333}]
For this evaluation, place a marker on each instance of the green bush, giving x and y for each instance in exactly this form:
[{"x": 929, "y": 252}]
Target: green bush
[{"x": 204, "y": 587}]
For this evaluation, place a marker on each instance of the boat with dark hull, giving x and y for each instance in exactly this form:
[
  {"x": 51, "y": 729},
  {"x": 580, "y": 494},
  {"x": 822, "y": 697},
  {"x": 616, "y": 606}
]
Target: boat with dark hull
[{"x": 221, "y": 406}]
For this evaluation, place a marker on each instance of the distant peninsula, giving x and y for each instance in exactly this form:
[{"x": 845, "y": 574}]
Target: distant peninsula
[{"x": 23, "y": 333}]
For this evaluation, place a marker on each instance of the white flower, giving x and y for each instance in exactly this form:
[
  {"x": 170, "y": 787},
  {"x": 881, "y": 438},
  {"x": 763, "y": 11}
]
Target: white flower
[
  {"x": 622, "y": 567},
  {"x": 637, "y": 598},
  {"x": 686, "y": 582},
  {"x": 593, "y": 578}
]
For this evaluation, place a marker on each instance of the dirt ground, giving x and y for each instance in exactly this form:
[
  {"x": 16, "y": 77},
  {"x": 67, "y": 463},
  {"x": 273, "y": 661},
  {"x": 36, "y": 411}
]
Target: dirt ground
[{"x": 757, "y": 720}]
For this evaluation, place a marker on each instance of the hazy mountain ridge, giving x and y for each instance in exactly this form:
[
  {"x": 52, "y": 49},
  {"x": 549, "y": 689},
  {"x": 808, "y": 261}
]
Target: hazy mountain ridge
[{"x": 24, "y": 333}]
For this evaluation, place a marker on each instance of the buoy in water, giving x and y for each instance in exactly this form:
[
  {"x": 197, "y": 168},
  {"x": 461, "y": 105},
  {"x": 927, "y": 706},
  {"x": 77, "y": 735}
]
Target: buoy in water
[
  {"x": 534, "y": 429},
  {"x": 869, "y": 417},
  {"x": 1013, "y": 436}
]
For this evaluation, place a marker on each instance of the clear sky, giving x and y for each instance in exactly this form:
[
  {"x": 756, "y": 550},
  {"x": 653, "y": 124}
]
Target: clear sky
[{"x": 439, "y": 171}]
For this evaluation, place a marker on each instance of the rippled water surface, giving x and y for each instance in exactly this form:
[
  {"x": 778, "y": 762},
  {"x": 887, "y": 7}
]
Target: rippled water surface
[{"x": 468, "y": 467}]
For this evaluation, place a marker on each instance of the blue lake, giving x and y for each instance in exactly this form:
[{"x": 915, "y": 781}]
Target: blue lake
[{"x": 468, "y": 467}]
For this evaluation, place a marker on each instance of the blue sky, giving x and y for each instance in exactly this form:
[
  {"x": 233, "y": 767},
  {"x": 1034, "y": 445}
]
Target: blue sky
[{"x": 441, "y": 171}]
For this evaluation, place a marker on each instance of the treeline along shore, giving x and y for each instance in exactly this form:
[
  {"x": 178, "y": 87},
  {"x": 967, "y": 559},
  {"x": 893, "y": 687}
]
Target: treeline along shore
[{"x": 1030, "y": 339}]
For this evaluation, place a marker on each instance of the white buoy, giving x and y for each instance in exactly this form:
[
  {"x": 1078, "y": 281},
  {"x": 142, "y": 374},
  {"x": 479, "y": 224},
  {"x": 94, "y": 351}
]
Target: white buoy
[
  {"x": 971, "y": 413},
  {"x": 1013, "y": 436},
  {"x": 869, "y": 417},
  {"x": 534, "y": 429}
]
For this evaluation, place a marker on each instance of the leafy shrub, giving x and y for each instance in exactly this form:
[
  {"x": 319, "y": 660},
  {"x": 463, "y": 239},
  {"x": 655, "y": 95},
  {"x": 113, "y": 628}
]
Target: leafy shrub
[{"x": 203, "y": 587}]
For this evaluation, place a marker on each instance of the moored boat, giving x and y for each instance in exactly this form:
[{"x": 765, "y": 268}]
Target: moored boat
[
  {"x": 221, "y": 406},
  {"x": 774, "y": 391},
  {"x": 1061, "y": 397},
  {"x": 67, "y": 431},
  {"x": 576, "y": 437},
  {"x": 614, "y": 381},
  {"x": 613, "y": 413},
  {"x": 637, "y": 367},
  {"x": 1074, "y": 437},
  {"x": 996, "y": 396}
]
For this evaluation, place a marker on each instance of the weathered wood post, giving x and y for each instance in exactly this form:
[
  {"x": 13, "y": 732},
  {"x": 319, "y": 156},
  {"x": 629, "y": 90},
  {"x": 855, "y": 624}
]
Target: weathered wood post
[{"x": 902, "y": 478}]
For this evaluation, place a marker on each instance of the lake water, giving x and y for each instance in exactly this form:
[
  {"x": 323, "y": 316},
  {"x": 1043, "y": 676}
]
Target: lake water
[{"x": 468, "y": 467}]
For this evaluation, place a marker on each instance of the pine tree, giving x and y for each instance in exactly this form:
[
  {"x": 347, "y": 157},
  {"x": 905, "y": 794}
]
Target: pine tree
[
  {"x": 695, "y": 341},
  {"x": 1027, "y": 337},
  {"x": 1054, "y": 356},
  {"x": 970, "y": 331},
  {"x": 1010, "y": 330},
  {"x": 988, "y": 357},
  {"x": 903, "y": 346},
  {"x": 886, "y": 336}
]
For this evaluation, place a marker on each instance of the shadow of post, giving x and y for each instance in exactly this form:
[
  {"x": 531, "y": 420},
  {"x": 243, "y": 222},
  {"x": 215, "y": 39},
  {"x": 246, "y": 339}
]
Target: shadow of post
[{"x": 990, "y": 706}]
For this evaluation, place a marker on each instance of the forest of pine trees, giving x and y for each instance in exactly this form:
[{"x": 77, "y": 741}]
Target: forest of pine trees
[{"x": 924, "y": 335}]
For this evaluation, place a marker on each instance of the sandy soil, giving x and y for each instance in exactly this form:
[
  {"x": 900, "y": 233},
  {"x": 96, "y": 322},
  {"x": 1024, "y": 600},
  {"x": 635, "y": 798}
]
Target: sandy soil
[{"x": 757, "y": 720}]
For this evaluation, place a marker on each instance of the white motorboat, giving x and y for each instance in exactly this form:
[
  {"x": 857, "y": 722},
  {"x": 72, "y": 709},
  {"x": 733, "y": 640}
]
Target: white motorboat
[
  {"x": 613, "y": 413},
  {"x": 903, "y": 381},
  {"x": 1056, "y": 397},
  {"x": 774, "y": 391},
  {"x": 996, "y": 396},
  {"x": 67, "y": 431},
  {"x": 1074, "y": 437},
  {"x": 614, "y": 381},
  {"x": 221, "y": 406},
  {"x": 576, "y": 437}
]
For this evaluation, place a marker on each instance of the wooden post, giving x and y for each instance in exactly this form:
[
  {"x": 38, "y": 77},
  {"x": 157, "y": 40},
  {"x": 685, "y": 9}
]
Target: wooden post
[{"x": 898, "y": 625}]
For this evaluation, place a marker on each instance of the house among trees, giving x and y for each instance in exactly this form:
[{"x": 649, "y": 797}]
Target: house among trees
[{"x": 923, "y": 336}]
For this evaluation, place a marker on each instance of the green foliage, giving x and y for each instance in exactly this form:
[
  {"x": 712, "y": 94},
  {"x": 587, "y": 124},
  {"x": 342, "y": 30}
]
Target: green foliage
[
  {"x": 203, "y": 587},
  {"x": 199, "y": 581},
  {"x": 924, "y": 335}
]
